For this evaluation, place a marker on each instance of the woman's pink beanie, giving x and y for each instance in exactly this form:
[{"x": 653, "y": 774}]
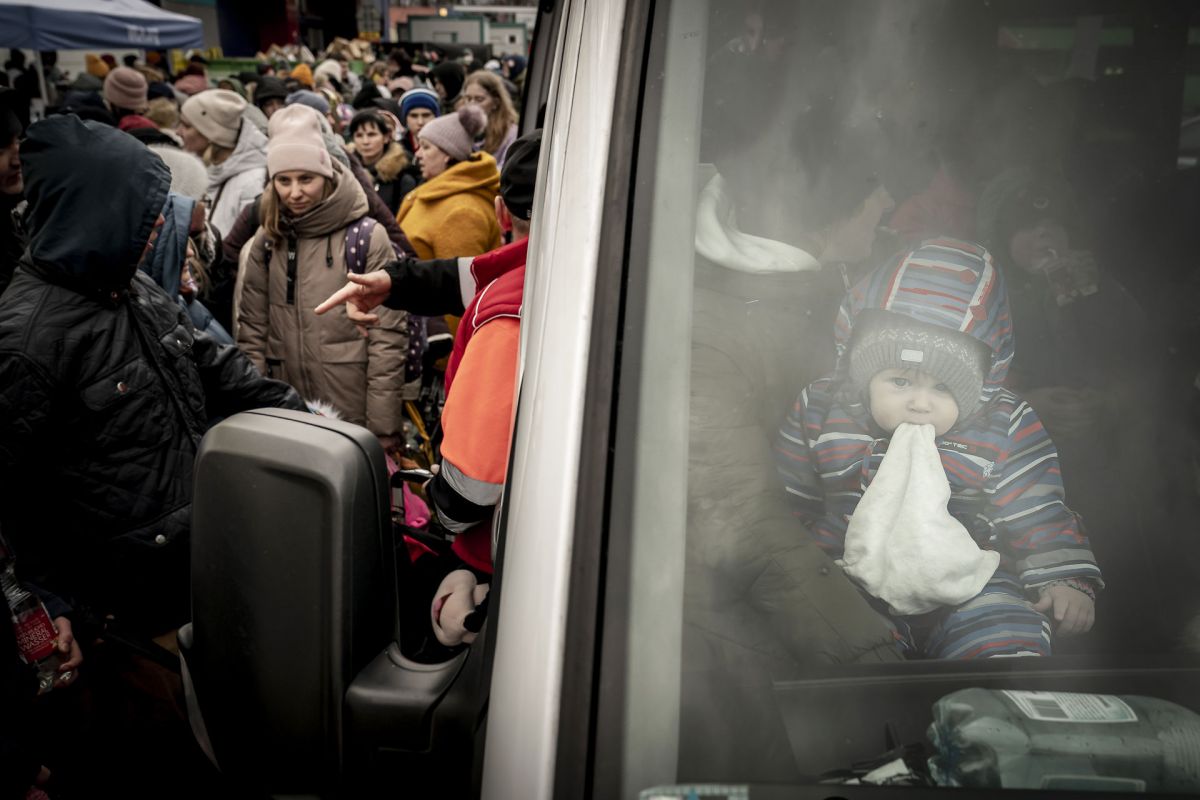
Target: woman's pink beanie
[{"x": 295, "y": 142}]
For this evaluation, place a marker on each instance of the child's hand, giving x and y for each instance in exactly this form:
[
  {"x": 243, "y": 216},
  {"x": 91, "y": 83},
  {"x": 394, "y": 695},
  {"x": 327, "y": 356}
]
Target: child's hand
[
  {"x": 456, "y": 598},
  {"x": 1073, "y": 611}
]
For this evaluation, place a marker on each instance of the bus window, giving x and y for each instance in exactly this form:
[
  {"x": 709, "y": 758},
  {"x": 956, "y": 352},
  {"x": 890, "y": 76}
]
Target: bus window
[{"x": 909, "y": 405}]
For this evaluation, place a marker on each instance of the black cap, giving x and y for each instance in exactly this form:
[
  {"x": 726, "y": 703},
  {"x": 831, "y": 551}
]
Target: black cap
[
  {"x": 519, "y": 173},
  {"x": 269, "y": 87}
]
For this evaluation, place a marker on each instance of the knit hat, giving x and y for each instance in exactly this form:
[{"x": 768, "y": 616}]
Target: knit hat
[
  {"x": 95, "y": 66},
  {"x": 126, "y": 88},
  {"x": 303, "y": 74},
  {"x": 311, "y": 99},
  {"x": 419, "y": 98},
  {"x": 192, "y": 84},
  {"x": 296, "y": 142},
  {"x": 269, "y": 88},
  {"x": 888, "y": 340},
  {"x": 189, "y": 176},
  {"x": 520, "y": 171},
  {"x": 454, "y": 134},
  {"x": 157, "y": 89},
  {"x": 217, "y": 114}
]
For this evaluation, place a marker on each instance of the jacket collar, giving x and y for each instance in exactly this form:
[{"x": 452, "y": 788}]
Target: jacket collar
[{"x": 490, "y": 266}]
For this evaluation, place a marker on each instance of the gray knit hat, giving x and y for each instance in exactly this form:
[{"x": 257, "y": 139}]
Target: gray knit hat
[
  {"x": 217, "y": 114},
  {"x": 454, "y": 134},
  {"x": 887, "y": 340}
]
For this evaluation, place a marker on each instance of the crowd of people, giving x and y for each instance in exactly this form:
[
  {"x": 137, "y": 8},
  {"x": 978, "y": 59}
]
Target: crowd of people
[{"x": 166, "y": 245}]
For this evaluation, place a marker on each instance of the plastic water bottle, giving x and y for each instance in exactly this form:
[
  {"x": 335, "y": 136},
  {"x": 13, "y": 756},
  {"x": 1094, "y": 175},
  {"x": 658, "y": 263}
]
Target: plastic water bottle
[
  {"x": 1065, "y": 741},
  {"x": 37, "y": 638}
]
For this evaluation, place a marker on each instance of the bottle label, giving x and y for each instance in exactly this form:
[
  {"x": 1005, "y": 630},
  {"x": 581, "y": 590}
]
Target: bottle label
[
  {"x": 35, "y": 635},
  {"x": 1071, "y": 707}
]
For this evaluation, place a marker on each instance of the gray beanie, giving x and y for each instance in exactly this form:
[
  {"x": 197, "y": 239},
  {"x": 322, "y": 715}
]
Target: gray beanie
[
  {"x": 888, "y": 340},
  {"x": 454, "y": 134}
]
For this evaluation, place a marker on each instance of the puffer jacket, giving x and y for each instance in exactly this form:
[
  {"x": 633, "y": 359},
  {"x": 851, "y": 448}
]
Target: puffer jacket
[
  {"x": 324, "y": 357},
  {"x": 761, "y": 315},
  {"x": 1003, "y": 469},
  {"x": 452, "y": 215},
  {"x": 105, "y": 388},
  {"x": 235, "y": 182}
]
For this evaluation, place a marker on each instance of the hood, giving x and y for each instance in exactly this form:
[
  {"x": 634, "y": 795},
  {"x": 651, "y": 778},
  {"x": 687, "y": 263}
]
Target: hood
[
  {"x": 478, "y": 175},
  {"x": 170, "y": 249},
  {"x": 94, "y": 195},
  {"x": 250, "y": 153},
  {"x": 347, "y": 203},
  {"x": 720, "y": 241},
  {"x": 944, "y": 282}
]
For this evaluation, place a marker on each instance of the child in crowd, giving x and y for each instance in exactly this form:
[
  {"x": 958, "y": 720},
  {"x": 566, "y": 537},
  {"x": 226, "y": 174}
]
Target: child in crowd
[{"x": 962, "y": 536}]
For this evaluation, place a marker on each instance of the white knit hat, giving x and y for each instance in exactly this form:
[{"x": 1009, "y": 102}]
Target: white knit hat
[
  {"x": 188, "y": 175},
  {"x": 217, "y": 114},
  {"x": 296, "y": 142}
]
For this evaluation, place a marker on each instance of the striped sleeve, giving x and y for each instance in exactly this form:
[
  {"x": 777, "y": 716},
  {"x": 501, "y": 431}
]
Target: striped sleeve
[
  {"x": 799, "y": 469},
  {"x": 1029, "y": 512}
]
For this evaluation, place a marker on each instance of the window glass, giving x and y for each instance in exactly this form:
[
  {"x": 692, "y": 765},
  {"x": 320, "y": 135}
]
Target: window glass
[{"x": 909, "y": 399}]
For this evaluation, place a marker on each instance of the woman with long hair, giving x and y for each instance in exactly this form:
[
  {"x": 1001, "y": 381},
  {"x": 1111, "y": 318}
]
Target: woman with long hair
[
  {"x": 312, "y": 215},
  {"x": 487, "y": 91}
]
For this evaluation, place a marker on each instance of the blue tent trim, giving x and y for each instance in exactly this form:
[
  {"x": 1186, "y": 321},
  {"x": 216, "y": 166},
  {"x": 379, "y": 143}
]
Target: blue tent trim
[{"x": 85, "y": 24}]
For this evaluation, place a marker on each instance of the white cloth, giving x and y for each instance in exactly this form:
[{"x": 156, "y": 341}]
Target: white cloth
[
  {"x": 719, "y": 240},
  {"x": 902, "y": 545}
]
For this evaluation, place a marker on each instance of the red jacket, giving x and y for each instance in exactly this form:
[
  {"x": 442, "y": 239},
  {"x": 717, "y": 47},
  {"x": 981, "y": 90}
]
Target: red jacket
[{"x": 477, "y": 418}]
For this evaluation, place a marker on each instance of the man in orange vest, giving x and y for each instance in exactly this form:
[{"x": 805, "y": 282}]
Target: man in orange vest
[{"x": 481, "y": 380}]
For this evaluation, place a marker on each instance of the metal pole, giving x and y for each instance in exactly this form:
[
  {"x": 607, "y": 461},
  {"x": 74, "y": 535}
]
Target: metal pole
[{"x": 41, "y": 74}]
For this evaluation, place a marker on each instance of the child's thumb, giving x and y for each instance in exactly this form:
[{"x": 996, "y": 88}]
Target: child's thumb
[{"x": 1044, "y": 603}]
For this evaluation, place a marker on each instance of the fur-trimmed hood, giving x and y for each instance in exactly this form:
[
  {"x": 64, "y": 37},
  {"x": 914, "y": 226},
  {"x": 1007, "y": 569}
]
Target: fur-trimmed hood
[{"x": 389, "y": 166}]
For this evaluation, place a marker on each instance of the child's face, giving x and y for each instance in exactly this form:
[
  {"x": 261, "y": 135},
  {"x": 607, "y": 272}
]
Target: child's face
[{"x": 907, "y": 395}]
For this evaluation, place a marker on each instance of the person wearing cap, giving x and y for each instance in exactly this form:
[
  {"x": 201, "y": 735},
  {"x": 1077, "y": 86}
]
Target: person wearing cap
[
  {"x": 270, "y": 95},
  {"x": 312, "y": 222},
  {"x": 418, "y": 107},
  {"x": 125, "y": 92},
  {"x": 450, "y": 214},
  {"x": 303, "y": 75},
  {"x": 917, "y": 406},
  {"x": 480, "y": 383},
  {"x": 235, "y": 151}
]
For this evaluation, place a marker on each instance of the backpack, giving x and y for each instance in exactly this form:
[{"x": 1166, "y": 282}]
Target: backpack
[{"x": 358, "y": 243}]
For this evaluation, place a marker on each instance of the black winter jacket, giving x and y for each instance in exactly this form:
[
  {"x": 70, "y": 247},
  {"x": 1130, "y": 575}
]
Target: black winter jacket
[{"x": 104, "y": 386}]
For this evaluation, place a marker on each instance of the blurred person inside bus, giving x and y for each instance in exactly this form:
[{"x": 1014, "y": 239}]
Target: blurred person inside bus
[
  {"x": 486, "y": 90},
  {"x": 1093, "y": 360}
]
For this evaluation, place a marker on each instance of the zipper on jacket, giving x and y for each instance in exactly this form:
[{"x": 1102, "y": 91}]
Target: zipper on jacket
[
  {"x": 329, "y": 251},
  {"x": 291, "y": 269}
]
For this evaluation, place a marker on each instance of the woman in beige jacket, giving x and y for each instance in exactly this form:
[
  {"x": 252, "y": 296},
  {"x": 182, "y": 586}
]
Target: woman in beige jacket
[{"x": 298, "y": 258}]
